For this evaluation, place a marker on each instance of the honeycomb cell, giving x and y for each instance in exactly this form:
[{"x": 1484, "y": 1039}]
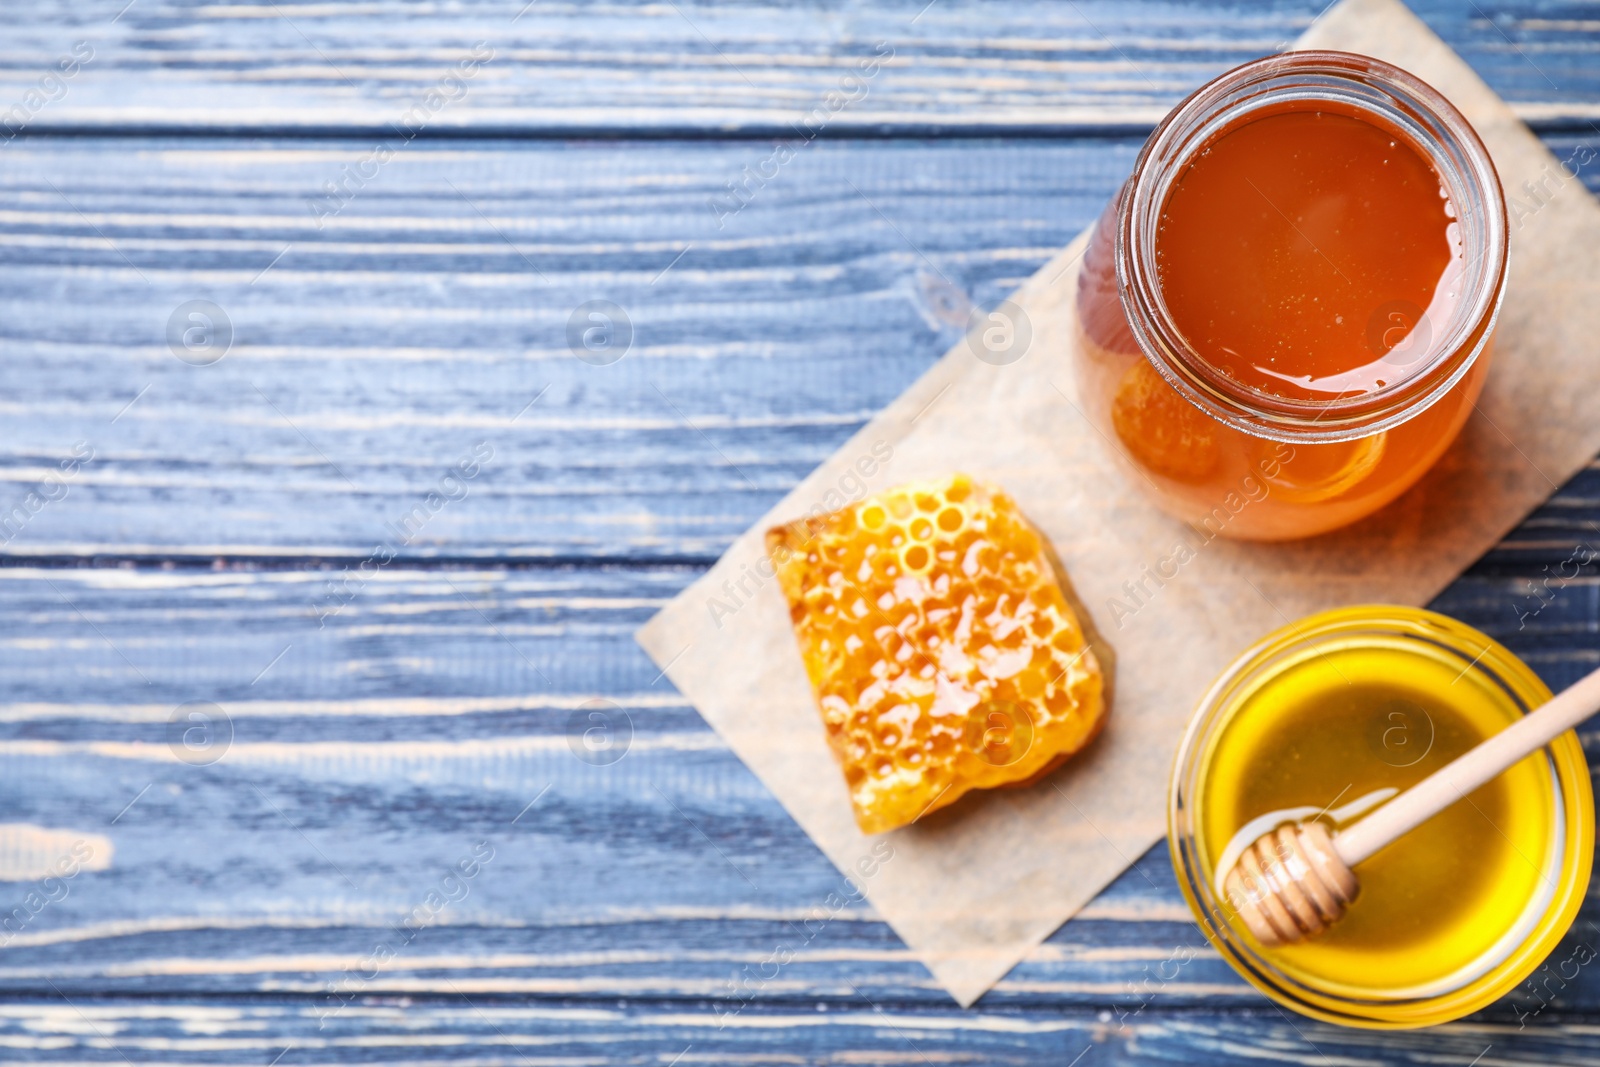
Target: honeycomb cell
[
  {"x": 954, "y": 659},
  {"x": 1160, "y": 429}
]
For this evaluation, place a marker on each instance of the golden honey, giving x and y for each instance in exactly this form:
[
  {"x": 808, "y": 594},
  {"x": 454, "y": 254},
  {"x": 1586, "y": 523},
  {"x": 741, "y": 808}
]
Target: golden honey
[
  {"x": 939, "y": 639},
  {"x": 1329, "y": 719}
]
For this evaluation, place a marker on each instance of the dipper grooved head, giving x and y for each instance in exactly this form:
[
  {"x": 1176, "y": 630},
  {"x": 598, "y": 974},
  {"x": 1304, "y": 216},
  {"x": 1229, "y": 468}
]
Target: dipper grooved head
[{"x": 1290, "y": 885}]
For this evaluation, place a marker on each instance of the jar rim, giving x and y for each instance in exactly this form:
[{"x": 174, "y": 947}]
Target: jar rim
[
  {"x": 1389, "y": 97},
  {"x": 1569, "y": 778}
]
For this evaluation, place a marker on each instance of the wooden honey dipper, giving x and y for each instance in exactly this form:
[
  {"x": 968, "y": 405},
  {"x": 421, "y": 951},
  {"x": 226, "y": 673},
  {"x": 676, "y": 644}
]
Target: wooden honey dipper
[{"x": 1296, "y": 881}]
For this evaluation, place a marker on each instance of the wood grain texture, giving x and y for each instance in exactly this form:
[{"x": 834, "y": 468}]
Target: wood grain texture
[
  {"x": 681, "y": 67},
  {"x": 428, "y": 313},
  {"x": 370, "y": 754},
  {"x": 481, "y": 1032},
  {"x": 384, "y": 724},
  {"x": 371, "y": 355}
]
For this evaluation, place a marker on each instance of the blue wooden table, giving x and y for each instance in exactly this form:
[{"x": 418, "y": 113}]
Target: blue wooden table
[{"x": 320, "y": 543}]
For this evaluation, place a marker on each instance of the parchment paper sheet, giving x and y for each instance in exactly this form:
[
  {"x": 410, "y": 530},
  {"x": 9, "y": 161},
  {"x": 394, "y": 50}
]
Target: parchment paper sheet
[{"x": 974, "y": 888}]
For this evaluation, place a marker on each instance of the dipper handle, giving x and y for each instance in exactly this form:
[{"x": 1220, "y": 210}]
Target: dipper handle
[{"x": 1467, "y": 772}]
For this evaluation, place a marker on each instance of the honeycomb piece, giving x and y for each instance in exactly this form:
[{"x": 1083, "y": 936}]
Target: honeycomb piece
[
  {"x": 941, "y": 644},
  {"x": 1161, "y": 429}
]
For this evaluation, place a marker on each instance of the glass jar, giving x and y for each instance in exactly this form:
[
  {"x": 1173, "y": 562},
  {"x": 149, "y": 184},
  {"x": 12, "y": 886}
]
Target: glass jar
[
  {"x": 1232, "y": 458},
  {"x": 1503, "y": 872}
]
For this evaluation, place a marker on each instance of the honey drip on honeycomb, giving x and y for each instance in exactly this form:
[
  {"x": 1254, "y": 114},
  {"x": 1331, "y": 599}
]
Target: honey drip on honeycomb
[{"x": 943, "y": 651}]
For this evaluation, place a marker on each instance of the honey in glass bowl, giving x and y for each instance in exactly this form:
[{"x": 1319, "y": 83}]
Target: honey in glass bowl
[
  {"x": 1286, "y": 313},
  {"x": 1328, "y": 719}
]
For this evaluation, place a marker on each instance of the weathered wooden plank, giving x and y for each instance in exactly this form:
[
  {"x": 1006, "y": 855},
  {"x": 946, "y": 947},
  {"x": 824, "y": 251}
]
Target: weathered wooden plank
[
  {"x": 420, "y": 719},
  {"x": 548, "y": 67},
  {"x": 420, "y": 320},
  {"x": 369, "y": 754},
  {"x": 373, "y": 750},
  {"x": 374, "y": 353},
  {"x": 480, "y": 1032}
]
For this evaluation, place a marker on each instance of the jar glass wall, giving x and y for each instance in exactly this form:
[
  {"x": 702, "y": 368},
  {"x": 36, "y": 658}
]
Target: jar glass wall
[{"x": 1228, "y": 455}]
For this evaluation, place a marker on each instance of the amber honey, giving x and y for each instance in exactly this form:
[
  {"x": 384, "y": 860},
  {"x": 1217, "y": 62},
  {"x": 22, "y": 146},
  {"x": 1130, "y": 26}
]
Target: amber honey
[
  {"x": 1298, "y": 250},
  {"x": 1291, "y": 303},
  {"x": 1329, "y": 719}
]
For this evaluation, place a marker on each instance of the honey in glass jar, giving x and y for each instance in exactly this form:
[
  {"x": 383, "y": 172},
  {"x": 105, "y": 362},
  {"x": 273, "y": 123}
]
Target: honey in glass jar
[{"x": 1286, "y": 313}]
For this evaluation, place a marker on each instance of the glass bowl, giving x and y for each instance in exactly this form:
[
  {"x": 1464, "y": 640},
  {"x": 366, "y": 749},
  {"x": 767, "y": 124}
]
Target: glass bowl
[{"x": 1361, "y": 975}]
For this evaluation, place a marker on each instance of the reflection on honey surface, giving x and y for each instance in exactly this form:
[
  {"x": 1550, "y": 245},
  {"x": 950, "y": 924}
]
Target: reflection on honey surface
[
  {"x": 1308, "y": 252},
  {"x": 1193, "y": 463},
  {"x": 1287, "y": 233}
]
